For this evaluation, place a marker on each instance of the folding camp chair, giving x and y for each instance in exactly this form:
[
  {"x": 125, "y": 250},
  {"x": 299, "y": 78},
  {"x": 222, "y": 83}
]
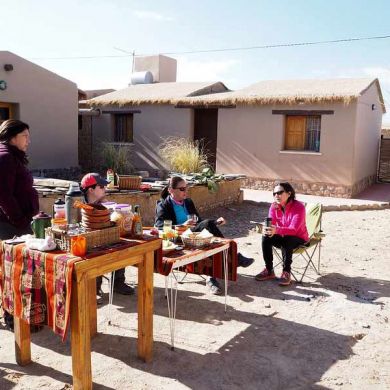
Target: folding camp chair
[{"x": 308, "y": 250}]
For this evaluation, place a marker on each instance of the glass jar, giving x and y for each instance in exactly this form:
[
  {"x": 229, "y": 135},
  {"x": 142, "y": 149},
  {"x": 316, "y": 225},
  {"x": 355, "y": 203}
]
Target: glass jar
[{"x": 123, "y": 216}]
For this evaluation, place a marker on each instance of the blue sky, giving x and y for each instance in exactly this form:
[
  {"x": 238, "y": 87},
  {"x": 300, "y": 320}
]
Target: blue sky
[{"x": 44, "y": 30}]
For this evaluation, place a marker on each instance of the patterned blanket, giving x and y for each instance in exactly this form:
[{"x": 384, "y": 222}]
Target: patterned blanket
[
  {"x": 36, "y": 286},
  {"x": 212, "y": 266}
]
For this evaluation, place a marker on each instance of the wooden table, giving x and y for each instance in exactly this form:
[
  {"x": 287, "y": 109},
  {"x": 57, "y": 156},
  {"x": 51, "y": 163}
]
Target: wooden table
[
  {"x": 190, "y": 257},
  {"x": 83, "y": 308}
]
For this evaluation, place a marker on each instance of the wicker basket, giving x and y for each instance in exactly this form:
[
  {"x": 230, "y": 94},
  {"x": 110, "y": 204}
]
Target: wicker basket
[
  {"x": 196, "y": 242},
  {"x": 129, "y": 182},
  {"x": 94, "y": 238}
]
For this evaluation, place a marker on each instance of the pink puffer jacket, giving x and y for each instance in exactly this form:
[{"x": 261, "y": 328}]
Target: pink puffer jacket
[{"x": 291, "y": 222}]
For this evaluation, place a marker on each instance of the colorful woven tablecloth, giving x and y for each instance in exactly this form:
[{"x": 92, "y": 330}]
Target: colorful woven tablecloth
[
  {"x": 211, "y": 266},
  {"x": 36, "y": 286}
]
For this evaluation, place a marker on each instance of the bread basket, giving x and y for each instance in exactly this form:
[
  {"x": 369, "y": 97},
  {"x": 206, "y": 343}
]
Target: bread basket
[{"x": 196, "y": 242}]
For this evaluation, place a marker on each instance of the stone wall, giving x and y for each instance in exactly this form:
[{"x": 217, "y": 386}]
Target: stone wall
[
  {"x": 229, "y": 192},
  {"x": 309, "y": 188},
  {"x": 72, "y": 173}
]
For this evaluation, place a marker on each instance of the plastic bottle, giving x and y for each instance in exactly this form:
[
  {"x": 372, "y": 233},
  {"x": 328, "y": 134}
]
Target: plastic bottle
[
  {"x": 137, "y": 222},
  {"x": 59, "y": 208},
  {"x": 110, "y": 178},
  {"x": 73, "y": 215}
]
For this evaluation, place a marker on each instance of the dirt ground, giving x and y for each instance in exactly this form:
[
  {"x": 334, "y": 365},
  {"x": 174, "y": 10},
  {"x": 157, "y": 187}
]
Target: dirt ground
[{"x": 330, "y": 332}]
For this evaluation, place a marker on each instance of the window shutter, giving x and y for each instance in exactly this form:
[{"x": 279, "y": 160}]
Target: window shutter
[{"x": 295, "y": 132}]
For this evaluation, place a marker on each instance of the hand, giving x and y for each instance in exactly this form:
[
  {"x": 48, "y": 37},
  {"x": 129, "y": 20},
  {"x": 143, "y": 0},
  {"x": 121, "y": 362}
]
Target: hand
[
  {"x": 220, "y": 221},
  {"x": 269, "y": 231}
]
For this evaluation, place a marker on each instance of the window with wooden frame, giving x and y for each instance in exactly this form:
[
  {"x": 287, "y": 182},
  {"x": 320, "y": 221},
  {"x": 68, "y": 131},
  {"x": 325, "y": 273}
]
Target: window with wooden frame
[
  {"x": 123, "y": 128},
  {"x": 5, "y": 111},
  {"x": 303, "y": 132}
]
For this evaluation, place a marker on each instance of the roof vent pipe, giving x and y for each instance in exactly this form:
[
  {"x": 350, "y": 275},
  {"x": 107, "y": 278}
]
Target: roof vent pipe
[{"x": 141, "y": 78}]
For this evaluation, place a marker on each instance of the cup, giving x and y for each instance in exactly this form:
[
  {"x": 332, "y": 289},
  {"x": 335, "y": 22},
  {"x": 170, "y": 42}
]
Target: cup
[
  {"x": 167, "y": 225},
  {"x": 78, "y": 246},
  {"x": 193, "y": 218}
]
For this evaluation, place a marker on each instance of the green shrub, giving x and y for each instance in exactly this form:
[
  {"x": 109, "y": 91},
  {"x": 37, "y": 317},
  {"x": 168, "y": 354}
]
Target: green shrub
[{"x": 116, "y": 157}]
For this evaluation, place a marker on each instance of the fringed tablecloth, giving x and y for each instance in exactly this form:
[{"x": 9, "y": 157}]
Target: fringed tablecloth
[
  {"x": 36, "y": 286},
  {"x": 212, "y": 266}
]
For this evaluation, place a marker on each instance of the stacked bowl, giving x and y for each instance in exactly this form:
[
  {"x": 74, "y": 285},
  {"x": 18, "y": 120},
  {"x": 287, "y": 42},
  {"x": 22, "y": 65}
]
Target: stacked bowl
[{"x": 97, "y": 217}]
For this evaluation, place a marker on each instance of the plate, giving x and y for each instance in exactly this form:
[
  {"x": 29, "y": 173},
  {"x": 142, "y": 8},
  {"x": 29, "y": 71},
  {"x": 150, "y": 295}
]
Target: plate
[{"x": 169, "y": 248}]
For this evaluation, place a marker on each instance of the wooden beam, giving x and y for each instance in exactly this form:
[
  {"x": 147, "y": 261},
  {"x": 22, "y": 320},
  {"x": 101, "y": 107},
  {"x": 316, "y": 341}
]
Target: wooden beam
[
  {"x": 302, "y": 112},
  {"x": 205, "y": 106}
]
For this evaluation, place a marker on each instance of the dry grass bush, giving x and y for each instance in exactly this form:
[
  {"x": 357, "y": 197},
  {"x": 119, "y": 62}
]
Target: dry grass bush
[
  {"x": 183, "y": 155},
  {"x": 116, "y": 157}
]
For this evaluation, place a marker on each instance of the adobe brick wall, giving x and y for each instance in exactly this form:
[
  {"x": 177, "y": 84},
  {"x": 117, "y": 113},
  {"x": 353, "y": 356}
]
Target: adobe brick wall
[
  {"x": 310, "y": 188},
  {"x": 229, "y": 192}
]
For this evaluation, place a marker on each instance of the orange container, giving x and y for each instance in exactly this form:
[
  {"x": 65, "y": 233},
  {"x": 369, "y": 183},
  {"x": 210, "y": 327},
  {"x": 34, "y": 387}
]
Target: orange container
[{"x": 78, "y": 246}]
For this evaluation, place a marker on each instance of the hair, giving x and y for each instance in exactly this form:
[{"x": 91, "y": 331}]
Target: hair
[
  {"x": 287, "y": 188},
  {"x": 172, "y": 183},
  {"x": 11, "y": 128}
]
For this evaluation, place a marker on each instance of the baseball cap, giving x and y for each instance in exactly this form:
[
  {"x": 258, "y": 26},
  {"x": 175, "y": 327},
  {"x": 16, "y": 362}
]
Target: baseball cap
[{"x": 92, "y": 179}]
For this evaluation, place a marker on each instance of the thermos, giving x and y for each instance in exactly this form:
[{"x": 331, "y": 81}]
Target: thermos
[
  {"x": 268, "y": 222},
  {"x": 73, "y": 214},
  {"x": 39, "y": 223}
]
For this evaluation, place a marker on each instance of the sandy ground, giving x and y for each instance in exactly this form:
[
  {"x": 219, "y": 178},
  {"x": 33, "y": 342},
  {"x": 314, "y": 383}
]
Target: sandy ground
[{"x": 330, "y": 332}]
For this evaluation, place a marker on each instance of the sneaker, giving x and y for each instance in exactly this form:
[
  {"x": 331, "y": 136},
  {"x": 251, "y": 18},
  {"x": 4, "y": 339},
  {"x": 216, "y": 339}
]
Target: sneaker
[
  {"x": 285, "y": 279},
  {"x": 244, "y": 261},
  {"x": 265, "y": 275},
  {"x": 214, "y": 286},
  {"x": 123, "y": 288}
]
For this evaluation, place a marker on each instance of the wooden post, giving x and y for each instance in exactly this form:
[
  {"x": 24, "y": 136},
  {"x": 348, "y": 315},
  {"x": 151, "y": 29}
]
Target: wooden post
[
  {"x": 81, "y": 342},
  {"x": 92, "y": 305},
  {"x": 22, "y": 341},
  {"x": 145, "y": 307}
]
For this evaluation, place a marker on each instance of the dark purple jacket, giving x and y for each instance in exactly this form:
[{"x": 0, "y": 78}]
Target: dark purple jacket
[{"x": 18, "y": 199}]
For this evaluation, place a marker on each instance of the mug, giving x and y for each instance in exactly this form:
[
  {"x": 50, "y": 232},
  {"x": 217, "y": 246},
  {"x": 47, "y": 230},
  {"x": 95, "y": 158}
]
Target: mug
[{"x": 39, "y": 223}]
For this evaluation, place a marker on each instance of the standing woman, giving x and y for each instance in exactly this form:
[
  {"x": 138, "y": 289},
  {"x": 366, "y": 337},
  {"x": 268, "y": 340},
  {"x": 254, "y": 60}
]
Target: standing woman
[
  {"x": 18, "y": 199},
  {"x": 288, "y": 231}
]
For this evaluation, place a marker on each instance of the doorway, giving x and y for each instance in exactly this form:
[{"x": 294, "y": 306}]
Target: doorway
[{"x": 206, "y": 131}]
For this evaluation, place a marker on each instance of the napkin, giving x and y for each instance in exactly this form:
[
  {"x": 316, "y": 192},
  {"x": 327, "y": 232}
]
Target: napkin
[
  {"x": 41, "y": 244},
  {"x": 205, "y": 234}
]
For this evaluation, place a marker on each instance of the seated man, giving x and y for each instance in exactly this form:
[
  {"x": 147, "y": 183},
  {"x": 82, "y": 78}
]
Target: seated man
[
  {"x": 175, "y": 206},
  {"x": 93, "y": 187}
]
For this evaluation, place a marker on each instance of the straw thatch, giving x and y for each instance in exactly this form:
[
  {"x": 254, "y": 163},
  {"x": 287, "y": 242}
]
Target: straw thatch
[
  {"x": 286, "y": 92},
  {"x": 290, "y": 92},
  {"x": 158, "y": 93}
]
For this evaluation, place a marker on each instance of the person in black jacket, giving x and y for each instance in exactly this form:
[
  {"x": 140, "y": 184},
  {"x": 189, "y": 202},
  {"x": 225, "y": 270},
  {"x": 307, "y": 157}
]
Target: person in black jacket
[
  {"x": 175, "y": 206},
  {"x": 18, "y": 199}
]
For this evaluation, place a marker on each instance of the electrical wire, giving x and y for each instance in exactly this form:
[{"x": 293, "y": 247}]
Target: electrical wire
[{"x": 269, "y": 46}]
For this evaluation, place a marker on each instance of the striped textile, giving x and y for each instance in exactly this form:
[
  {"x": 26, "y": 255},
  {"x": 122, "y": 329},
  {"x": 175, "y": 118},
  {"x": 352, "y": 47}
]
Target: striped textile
[
  {"x": 209, "y": 266},
  {"x": 36, "y": 286}
]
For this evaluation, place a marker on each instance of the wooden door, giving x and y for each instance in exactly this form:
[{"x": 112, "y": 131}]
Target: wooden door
[
  {"x": 205, "y": 128},
  {"x": 295, "y": 133},
  {"x": 5, "y": 111}
]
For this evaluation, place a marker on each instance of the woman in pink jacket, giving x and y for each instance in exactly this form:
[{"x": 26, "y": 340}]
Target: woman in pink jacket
[{"x": 287, "y": 231}]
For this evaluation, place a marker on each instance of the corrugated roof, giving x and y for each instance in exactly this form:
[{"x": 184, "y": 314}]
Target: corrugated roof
[{"x": 158, "y": 93}]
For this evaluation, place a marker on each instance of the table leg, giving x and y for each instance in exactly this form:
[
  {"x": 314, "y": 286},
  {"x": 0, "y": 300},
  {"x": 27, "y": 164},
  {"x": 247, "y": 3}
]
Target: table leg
[
  {"x": 225, "y": 254},
  {"x": 22, "y": 341},
  {"x": 92, "y": 306},
  {"x": 81, "y": 342},
  {"x": 171, "y": 296},
  {"x": 145, "y": 307}
]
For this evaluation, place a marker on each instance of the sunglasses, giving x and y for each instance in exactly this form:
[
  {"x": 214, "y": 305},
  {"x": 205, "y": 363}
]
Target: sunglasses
[
  {"x": 279, "y": 192},
  {"x": 182, "y": 189}
]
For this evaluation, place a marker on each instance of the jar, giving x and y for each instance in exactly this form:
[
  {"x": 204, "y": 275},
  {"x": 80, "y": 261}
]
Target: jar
[
  {"x": 59, "y": 208},
  {"x": 109, "y": 205},
  {"x": 123, "y": 216}
]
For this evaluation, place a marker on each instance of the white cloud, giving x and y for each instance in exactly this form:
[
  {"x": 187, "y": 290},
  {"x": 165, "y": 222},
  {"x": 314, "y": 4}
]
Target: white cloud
[
  {"x": 206, "y": 70},
  {"x": 152, "y": 16}
]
